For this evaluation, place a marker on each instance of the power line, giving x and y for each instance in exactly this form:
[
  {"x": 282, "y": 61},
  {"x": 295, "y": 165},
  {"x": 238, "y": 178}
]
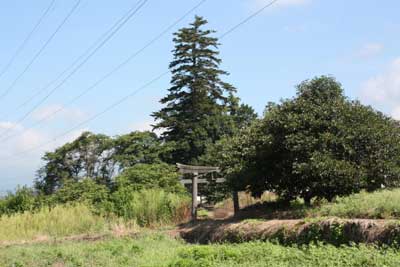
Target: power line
[
  {"x": 87, "y": 51},
  {"x": 126, "y": 97},
  {"x": 247, "y": 19},
  {"x": 27, "y": 39},
  {"x": 125, "y": 19},
  {"x": 35, "y": 57},
  {"x": 107, "y": 75}
]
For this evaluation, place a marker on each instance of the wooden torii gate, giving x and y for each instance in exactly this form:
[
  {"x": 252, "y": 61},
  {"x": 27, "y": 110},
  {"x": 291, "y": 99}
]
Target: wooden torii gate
[{"x": 196, "y": 171}]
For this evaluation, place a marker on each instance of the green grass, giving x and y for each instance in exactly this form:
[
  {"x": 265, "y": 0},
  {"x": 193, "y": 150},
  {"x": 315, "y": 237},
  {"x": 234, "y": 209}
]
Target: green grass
[
  {"x": 160, "y": 251},
  {"x": 383, "y": 204},
  {"x": 152, "y": 250}
]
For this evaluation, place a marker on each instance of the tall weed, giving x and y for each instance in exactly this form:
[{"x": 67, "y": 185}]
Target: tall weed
[{"x": 52, "y": 222}]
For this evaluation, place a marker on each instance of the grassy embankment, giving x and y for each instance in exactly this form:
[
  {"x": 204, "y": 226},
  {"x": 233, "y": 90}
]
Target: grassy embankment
[
  {"x": 347, "y": 220},
  {"x": 159, "y": 251}
]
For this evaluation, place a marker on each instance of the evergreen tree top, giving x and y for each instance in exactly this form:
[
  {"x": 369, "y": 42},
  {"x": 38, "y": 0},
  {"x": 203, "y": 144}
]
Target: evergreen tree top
[{"x": 197, "y": 102}]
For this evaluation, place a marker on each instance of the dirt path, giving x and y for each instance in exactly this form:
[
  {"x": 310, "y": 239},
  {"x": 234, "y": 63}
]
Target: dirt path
[{"x": 74, "y": 238}]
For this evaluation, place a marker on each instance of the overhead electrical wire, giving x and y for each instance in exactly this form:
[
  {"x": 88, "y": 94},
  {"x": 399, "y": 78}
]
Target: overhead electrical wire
[
  {"x": 75, "y": 62},
  {"x": 119, "y": 25},
  {"x": 107, "y": 75},
  {"x": 40, "y": 51},
  {"x": 27, "y": 39},
  {"x": 126, "y": 97}
]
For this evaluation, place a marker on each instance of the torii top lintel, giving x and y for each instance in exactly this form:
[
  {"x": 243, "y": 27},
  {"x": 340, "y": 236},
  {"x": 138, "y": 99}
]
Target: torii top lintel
[{"x": 196, "y": 169}]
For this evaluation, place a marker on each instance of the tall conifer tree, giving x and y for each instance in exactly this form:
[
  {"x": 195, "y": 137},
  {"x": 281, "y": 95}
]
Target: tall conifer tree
[{"x": 195, "y": 111}]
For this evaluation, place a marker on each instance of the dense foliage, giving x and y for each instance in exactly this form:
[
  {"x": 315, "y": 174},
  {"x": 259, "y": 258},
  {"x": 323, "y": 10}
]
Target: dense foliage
[
  {"x": 318, "y": 144},
  {"x": 23, "y": 199},
  {"x": 98, "y": 157},
  {"x": 147, "y": 176}
]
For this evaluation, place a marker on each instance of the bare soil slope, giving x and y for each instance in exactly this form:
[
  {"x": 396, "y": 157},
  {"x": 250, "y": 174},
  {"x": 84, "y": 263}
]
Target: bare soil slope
[{"x": 334, "y": 231}]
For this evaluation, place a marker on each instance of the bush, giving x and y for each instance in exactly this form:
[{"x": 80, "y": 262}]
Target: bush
[
  {"x": 150, "y": 206},
  {"x": 22, "y": 200},
  {"x": 85, "y": 190},
  {"x": 147, "y": 176}
]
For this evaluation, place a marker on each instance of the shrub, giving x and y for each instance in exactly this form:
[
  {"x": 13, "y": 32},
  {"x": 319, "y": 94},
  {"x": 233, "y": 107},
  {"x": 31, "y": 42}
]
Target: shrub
[
  {"x": 147, "y": 176},
  {"x": 85, "y": 190},
  {"x": 22, "y": 200}
]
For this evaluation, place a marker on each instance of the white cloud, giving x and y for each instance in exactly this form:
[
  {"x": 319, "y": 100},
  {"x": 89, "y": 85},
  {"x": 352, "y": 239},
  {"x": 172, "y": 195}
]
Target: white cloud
[
  {"x": 370, "y": 50},
  {"x": 20, "y": 156},
  {"x": 45, "y": 112},
  {"x": 28, "y": 145},
  {"x": 7, "y": 125},
  {"x": 29, "y": 139},
  {"x": 61, "y": 112},
  {"x": 384, "y": 89},
  {"x": 281, "y": 3}
]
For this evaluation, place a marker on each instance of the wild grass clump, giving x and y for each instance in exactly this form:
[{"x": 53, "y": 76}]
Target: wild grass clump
[
  {"x": 383, "y": 204},
  {"x": 58, "y": 221},
  {"x": 151, "y": 207},
  {"x": 126, "y": 210}
]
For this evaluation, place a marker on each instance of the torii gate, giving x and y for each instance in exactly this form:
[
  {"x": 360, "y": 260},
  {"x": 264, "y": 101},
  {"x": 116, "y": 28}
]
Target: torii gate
[{"x": 197, "y": 171}]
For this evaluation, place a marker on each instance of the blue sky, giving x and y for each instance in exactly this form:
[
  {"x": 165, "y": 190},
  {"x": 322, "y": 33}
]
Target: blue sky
[{"x": 355, "y": 41}]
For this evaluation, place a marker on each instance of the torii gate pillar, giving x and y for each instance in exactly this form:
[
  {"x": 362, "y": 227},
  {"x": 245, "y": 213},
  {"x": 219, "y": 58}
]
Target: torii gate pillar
[
  {"x": 194, "y": 195},
  {"x": 195, "y": 171}
]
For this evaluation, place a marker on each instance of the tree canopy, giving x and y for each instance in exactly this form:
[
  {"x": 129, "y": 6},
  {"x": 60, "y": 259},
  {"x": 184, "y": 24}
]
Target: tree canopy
[
  {"x": 318, "y": 144},
  {"x": 98, "y": 157}
]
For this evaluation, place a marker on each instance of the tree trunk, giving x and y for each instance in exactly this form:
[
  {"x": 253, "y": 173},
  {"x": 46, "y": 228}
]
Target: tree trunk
[
  {"x": 307, "y": 200},
  {"x": 236, "y": 205}
]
